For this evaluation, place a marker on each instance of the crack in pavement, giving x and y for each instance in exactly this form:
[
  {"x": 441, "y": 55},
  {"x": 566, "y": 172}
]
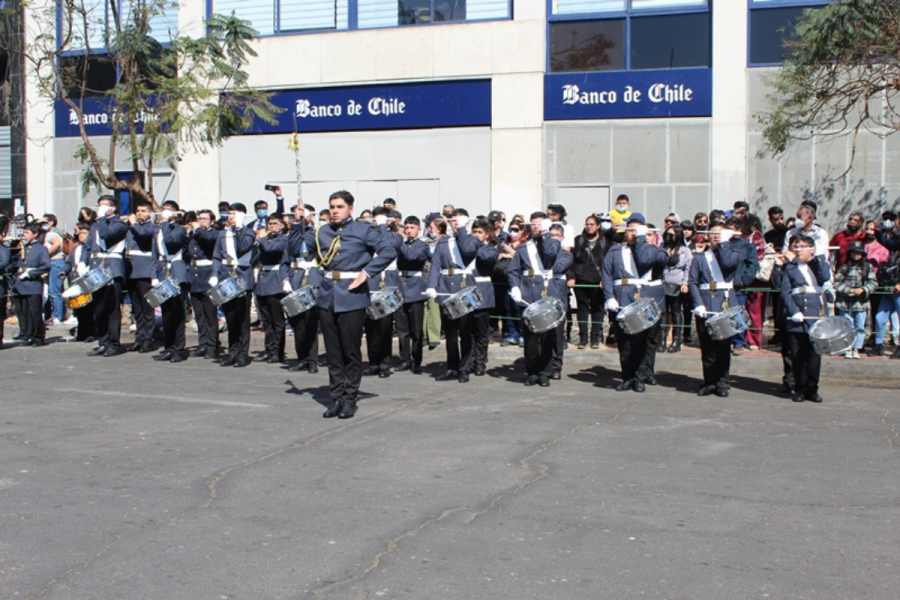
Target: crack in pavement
[
  {"x": 18, "y": 440},
  {"x": 392, "y": 544},
  {"x": 895, "y": 429},
  {"x": 221, "y": 475}
]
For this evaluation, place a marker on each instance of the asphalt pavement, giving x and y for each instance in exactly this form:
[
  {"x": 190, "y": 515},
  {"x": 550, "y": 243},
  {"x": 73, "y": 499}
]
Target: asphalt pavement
[{"x": 128, "y": 478}]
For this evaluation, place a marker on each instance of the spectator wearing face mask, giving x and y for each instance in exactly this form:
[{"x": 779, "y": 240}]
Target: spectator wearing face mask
[
  {"x": 54, "y": 312},
  {"x": 621, "y": 211},
  {"x": 262, "y": 215},
  {"x": 584, "y": 276},
  {"x": 842, "y": 239}
]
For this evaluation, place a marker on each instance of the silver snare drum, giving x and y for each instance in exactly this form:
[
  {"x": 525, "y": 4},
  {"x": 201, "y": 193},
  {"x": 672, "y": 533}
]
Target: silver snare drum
[
  {"x": 384, "y": 303},
  {"x": 462, "y": 302},
  {"x": 832, "y": 335},
  {"x": 227, "y": 290},
  {"x": 94, "y": 279},
  {"x": 162, "y": 291},
  {"x": 544, "y": 315},
  {"x": 300, "y": 300},
  {"x": 728, "y": 323},
  {"x": 639, "y": 316}
]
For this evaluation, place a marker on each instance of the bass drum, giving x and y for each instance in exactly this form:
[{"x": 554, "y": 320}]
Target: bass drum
[
  {"x": 544, "y": 315},
  {"x": 640, "y": 315}
]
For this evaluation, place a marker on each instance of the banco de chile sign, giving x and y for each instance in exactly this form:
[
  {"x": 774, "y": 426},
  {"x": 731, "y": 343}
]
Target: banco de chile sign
[
  {"x": 628, "y": 94},
  {"x": 465, "y": 103}
]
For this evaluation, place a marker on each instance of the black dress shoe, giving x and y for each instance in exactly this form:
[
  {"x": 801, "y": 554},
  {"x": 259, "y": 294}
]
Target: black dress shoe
[
  {"x": 463, "y": 378},
  {"x": 532, "y": 380},
  {"x": 639, "y": 386},
  {"x": 432, "y": 346},
  {"x": 416, "y": 370},
  {"x": 297, "y": 367},
  {"x": 114, "y": 351},
  {"x": 35, "y": 342},
  {"x": 98, "y": 351},
  {"x": 384, "y": 374},
  {"x": 90, "y": 339},
  {"x": 556, "y": 375},
  {"x": 582, "y": 344},
  {"x": 447, "y": 376},
  {"x": 651, "y": 380},
  {"x": 722, "y": 392},
  {"x": 797, "y": 397},
  {"x": 20, "y": 337},
  {"x": 178, "y": 357},
  {"x": 674, "y": 348},
  {"x": 211, "y": 354},
  {"x": 146, "y": 349},
  {"x": 262, "y": 357},
  {"x": 312, "y": 367},
  {"x": 543, "y": 381},
  {"x": 787, "y": 389},
  {"x": 661, "y": 347},
  {"x": 197, "y": 352},
  {"x": 226, "y": 361},
  {"x": 333, "y": 410},
  {"x": 479, "y": 372},
  {"x": 625, "y": 386},
  {"x": 242, "y": 362},
  {"x": 815, "y": 398},
  {"x": 404, "y": 366},
  {"x": 274, "y": 360},
  {"x": 164, "y": 356},
  {"x": 372, "y": 370},
  {"x": 348, "y": 409},
  {"x": 133, "y": 347},
  {"x": 706, "y": 390}
]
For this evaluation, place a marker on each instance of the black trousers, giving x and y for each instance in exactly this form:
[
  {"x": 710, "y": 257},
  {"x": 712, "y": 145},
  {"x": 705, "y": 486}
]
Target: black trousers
[
  {"x": 173, "y": 317},
  {"x": 559, "y": 347},
  {"x": 687, "y": 306},
  {"x": 3, "y": 299},
  {"x": 539, "y": 349},
  {"x": 86, "y": 327},
  {"x": 636, "y": 352},
  {"x": 19, "y": 309},
  {"x": 342, "y": 333},
  {"x": 589, "y": 311},
  {"x": 675, "y": 309},
  {"x": 807, "y": 364},
  {"x": 481, "y": 337},
  {"x": 378, "y": 341},
  {"x": 715, "y": 356},
  {"x": 410, "y": 321},
  {"x": 144, "y": 320},
  {"x": 306, "y": 335},
  {"x": 458, "y": 334},
  {"x": 237, "y": 316},
  {"x": 207, "y": 321},
  {"x": 108, "y": 313},
  {"x": 32, "y": 316},
  {"x": 271, "y": 313}
]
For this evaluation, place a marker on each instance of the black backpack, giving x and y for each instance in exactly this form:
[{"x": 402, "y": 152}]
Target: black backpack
[{"x": 889, "y": 273}]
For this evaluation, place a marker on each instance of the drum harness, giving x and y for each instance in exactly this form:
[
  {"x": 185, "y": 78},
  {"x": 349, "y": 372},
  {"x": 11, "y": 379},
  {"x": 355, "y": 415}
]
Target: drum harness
[
  {"x": 811, "y": 287},
  {"x": 718, "y": 282},
  {"x": 233, "y": 261},
  {"x": 637, "y": 282},
  {"x": 164, "y": 251},
  {"x": 537, "y": 267},
  {"x": 457, "y": 258}
]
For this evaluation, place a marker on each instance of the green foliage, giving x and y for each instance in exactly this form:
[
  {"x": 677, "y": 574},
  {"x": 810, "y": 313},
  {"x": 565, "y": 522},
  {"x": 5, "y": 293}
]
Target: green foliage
[{"x": 841, "y": 75}]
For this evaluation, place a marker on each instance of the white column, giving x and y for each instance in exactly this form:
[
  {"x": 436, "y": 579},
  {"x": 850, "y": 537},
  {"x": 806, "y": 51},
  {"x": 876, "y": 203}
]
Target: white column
[
  {"x": 730, "y": 100},
  {"x": 39, "y": 125}
]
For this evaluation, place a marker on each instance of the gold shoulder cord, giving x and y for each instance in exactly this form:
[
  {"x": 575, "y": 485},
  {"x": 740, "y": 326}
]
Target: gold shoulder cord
[{"x": 327, "y": 259}]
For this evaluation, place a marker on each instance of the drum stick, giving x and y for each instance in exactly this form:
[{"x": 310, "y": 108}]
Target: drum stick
[{"x": 439, "y": 294}]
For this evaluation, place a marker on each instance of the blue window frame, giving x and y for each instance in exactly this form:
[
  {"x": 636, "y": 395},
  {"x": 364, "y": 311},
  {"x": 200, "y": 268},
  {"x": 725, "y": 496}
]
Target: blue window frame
[
  {"x": 624, "y": 35},
  {"x": 769, "y": 26},
  {"x": 276, "y": 17}
]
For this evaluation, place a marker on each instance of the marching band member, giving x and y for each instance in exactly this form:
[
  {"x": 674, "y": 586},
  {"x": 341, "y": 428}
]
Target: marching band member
[
  {"x": 201, "y": 246},
  {"x": 412, "y": 256},
  {"x": 805, "y": 273},
  {"x": 558, "y": 233},
  {"x": 632, "y": 270},
  {"x": 349, "y": 253},
  {"x": 302, "y": 272},
  {"x": 530, "y": 278},
  {"x": 32, "y": 265},
  {"x": 5, "y": 260},
  {"x": 84, "y": 331},
  {"x": 141, "y": 258},
  {"x": 271, "y": 287},
  {"x": 485, "y": 259},
  {"x": 379, "y": 331},
  {"x": 233, "y": 258},
  {"x": 711, "y": 283},
  {"x": 451, "y": 271},
  {"x": 105, "y": 246},
  {"x": 170, "y": 242}
]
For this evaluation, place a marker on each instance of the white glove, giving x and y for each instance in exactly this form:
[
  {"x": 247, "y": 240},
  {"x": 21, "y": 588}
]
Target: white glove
[
  {"x": 797, "y": 317},
  {"x": 286, "y": 286},
  {"x": 167, "y": 214},
  {"x": 213, "y": 281},
  {"x": 26, "y": 274},
  {"x": 72, "y": 292},
  {"x": 700, "y": 311},
  {"x": 154, "y": 282},
  {"x": 431, "y": 293},
  {"x": 641, "y": 230},
  {"x": 239, "y": 219},
  {"x": 462, "y": 220},
  {"x": 381, "y": 220},
  {"x": 104, "y": 210},
  {"x": 612, "y": 305},
  {"x": 725, "y": 235},
  {"x": 516, "y": 294},
  {"x": 81, "y": 269},
  {"x": 545, "y": 225}
]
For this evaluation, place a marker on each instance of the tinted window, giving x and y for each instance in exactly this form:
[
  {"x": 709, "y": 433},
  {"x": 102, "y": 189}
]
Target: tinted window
[
  {"x": 769, "y": 29},
  {"x": 587, "y": 46},
  {"x": 670, "y": 41},
  {"x": 100, "y": 77}
]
